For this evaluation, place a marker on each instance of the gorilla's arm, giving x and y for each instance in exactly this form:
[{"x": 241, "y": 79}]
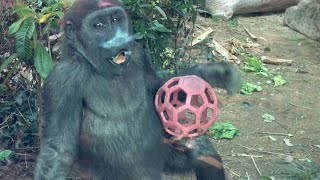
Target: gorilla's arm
[
  {"x": 62, "y": 111},
  {"x": 219, "y": 74}
]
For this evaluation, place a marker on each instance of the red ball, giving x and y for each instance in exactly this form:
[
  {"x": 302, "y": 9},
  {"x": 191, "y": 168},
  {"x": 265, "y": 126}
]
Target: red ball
[{"x": 187, "y": 106}]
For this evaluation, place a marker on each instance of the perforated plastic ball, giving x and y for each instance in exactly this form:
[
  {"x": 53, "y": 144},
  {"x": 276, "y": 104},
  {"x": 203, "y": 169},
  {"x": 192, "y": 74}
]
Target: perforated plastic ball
[{"x": 187, "y": 106}]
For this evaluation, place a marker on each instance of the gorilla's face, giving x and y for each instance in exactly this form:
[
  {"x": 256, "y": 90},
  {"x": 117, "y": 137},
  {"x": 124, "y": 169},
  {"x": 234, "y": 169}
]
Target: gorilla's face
[{"x": 104, "y": 38}]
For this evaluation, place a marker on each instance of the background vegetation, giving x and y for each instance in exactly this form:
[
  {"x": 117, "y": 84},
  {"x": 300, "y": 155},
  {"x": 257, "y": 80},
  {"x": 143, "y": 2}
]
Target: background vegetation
[{"x": 30, "y": 50}]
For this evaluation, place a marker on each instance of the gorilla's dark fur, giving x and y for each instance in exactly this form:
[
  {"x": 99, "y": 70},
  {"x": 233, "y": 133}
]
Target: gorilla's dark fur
[{"x": 99, "y": 105}]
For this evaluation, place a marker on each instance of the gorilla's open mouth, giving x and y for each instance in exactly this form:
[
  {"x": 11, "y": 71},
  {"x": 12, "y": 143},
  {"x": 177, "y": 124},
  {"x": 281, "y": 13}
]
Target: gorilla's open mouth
[{"x": 121, "y": 58}]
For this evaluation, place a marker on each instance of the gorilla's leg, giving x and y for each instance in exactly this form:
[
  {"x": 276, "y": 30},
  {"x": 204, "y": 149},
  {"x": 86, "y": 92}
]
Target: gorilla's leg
[
  {"x": 206, "y": 161},
  {"x": 197, "y": 154}
]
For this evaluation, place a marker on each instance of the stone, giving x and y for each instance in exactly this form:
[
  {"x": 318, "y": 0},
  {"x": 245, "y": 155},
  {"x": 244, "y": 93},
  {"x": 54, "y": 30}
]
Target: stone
[{"x": 304, "y": 18}]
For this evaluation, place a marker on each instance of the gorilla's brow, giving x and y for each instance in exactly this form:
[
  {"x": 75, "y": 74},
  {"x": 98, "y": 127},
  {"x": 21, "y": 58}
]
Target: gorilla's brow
[{"x": 104, "y": 3}]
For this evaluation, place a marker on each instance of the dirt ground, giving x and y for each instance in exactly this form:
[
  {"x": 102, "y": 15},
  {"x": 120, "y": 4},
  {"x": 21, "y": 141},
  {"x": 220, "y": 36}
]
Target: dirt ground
[{"x": 296, "y": 106}]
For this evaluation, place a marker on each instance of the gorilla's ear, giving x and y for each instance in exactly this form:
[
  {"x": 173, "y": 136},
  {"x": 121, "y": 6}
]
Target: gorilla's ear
[{"x": 70, "y": 30}]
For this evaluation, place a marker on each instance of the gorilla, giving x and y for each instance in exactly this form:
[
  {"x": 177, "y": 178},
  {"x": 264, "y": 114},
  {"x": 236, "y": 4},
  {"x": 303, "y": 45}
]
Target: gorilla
[{"x": 98, "y": 105}]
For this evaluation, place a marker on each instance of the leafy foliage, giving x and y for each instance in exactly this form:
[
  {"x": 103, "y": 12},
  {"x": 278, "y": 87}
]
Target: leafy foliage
[
  {"x": 279, "y": 81},
  {"x": 23, "y": 38},
  {"x": 221, "y": 130},
  {"x": 254, "y": 64},
  {"x": 31, "y": 28},
  {"x": 42, "y": 61},
  {"x": 156, "y": 22},
  {"x": 18, "y": 112},
  {"x": 304, "y": 169},
  {"x": 248, "y": 88},
  {"x": 4, "y": 154},
  {"x": 18, "y": 117},
  {"x": 156, "y": 25}
]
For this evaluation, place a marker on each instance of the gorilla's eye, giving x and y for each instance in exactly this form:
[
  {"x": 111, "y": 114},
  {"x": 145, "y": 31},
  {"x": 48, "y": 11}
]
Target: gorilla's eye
[
  {"x": 98, "y": 25},
  {"x": 115, "y": 20}
]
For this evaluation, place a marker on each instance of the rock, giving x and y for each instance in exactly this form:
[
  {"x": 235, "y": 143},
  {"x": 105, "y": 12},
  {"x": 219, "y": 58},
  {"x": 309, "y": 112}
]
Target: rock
[{"x": 304, "y": 18}]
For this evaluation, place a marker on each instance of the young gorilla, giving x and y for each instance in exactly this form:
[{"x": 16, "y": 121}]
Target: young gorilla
[{"x": 99, "y": 105}]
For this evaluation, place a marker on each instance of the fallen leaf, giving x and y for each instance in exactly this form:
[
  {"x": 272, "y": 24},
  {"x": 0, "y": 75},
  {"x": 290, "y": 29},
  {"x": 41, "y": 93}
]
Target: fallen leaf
[
  {"x": 220, "y": 130},
  {"x": 279, "y": 81},
  {"x": 288, "y": 142},
  {"x": 288, "y": 159},
  {"x": 268, "y": 117}
]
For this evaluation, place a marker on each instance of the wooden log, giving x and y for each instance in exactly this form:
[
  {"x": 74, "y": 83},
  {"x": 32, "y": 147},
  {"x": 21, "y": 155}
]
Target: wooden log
[
  {"x": 201, "y": 37},
  {"x": 252, "y": 6},
  {"x": 227, "y": 8},
  {"x": 276, "y": 61},
  {"x": 224, "y": 52}
]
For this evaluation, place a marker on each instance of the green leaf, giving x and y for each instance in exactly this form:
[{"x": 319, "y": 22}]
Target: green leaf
[
  {"x": 159, "y": 27},
  {"x": 194, "y": 15},
  {"x": 8, "y": 61},
  {"x": 233, "y": 23},
  {"x": 266, "y": 178},
  {"x": 265, "y": 74},
  {"x": 19, "y": 98},
  {"x": 254, "y": 64},
  {"x": 42, "y": 61},
  {"x": 161, "y": 12},
  {"x": 221, "y": 130},
  {"x": 68, "y": 3},
  {"x": 138, "y": 35},
  {"x": 23, "y": 11},
  {"x": 151, "y": 36},
  {"x": 5, "y": 154},
  {"x": 46, "y": 29},
  {"x": 60, "y": 14},
  {"x": 248, "y": 88},
  {"x": 279, "y": 81},
  {"x": 185, "y": 6},
  {"x": 45, "y": 10},
  {"x": 23, "y": 38},
  {"x": 15, "y": 26}
]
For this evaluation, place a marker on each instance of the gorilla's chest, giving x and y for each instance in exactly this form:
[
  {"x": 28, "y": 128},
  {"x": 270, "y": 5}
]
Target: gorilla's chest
[
  {"x": 117, "y": 116},
  {"x": 116, "y": 99}
]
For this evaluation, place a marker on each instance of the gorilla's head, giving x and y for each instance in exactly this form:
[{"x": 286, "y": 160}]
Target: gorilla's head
[{"x": 99, "y": 31}]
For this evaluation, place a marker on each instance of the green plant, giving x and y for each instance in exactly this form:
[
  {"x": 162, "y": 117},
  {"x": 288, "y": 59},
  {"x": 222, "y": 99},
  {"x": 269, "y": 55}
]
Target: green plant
[
  {"x": 279, "y": 81},
  {"x": 31, "y": 31},
  {"x": 304, "y": 169},
  {"x": 18, "y": 116},
  {"x": 233, "y": 23},
  {"x": 4, "y": 154},
  {"x": 156, "y": 25},
  {"x": 247, "y": 88},
  {"x": 254, "y": 64},
  {"x": 221, "y": 130}
]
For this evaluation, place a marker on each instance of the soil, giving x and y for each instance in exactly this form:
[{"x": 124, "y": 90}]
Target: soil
[{"x": 295, "y": 106}]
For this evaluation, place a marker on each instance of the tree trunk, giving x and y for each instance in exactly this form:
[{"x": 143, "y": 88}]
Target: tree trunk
[{"x": 227, "y": 8}]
